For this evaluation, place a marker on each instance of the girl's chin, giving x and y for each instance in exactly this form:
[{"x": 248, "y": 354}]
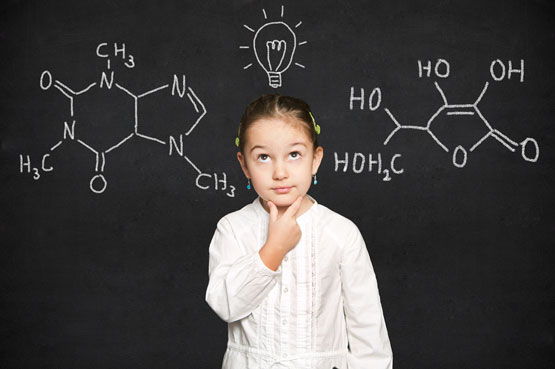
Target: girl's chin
[
  {"x": 280, "y": 200},
  {"x": 283, "y": 204},
  {"x": 284, "y": 201}
]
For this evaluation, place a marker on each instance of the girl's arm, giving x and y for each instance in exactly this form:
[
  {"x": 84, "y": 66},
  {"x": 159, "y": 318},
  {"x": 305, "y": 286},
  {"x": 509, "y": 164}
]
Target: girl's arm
[
  {"x": 366, "y": 330},
  {"x": 238, "y": 281}
]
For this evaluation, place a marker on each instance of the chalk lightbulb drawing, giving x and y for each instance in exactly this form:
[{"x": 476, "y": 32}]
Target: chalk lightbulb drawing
[{"x": 274, "y": 45}]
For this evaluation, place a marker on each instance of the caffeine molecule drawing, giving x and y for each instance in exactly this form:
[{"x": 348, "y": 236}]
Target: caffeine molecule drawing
[
  {"x": 89, "y": 134},
  {"x": 529, "y": 148},
  {"x": 274, "y": 45}
]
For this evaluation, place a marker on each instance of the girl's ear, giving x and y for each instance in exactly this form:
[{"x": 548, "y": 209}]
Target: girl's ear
[
  {"x": 318, "y": 155},
  {"x": 243, "y": 164}
]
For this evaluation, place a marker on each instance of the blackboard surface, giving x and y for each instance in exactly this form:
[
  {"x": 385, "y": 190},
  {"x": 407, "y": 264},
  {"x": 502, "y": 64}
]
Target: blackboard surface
[{"x": 105, "y": 231}]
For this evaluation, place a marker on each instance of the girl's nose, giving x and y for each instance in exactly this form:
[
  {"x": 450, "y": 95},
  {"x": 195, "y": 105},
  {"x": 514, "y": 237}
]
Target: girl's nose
[{"x": 280, "y": 171}]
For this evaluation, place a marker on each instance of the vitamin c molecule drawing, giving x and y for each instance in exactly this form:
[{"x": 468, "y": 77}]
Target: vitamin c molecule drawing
[
  {"x": 103, "y": 136},
  {"x": 529, "y": 148}
]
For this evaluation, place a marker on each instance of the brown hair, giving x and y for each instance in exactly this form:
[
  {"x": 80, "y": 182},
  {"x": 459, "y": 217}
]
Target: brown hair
[{"x": 275, "y": 105}]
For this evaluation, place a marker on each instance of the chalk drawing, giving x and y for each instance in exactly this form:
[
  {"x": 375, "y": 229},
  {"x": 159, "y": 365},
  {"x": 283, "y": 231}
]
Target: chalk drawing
[
  {"x": 98, "y": 182},
  {"x": 274, "y": 45},
  {"x": 359, "y": 164},
  {"x": 530, "y": 150}
]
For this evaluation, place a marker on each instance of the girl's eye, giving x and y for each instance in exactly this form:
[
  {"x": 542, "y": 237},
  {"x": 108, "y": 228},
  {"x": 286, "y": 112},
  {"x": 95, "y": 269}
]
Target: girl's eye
[
  {"x": 295, "y": 155},
  {"x": 263, "y": 158}
]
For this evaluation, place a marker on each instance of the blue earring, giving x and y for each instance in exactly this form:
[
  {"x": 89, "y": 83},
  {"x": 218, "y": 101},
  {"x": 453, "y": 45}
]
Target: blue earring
[
  {"x": 315, "y": 180},
  {"x": 248, "y": 183}
]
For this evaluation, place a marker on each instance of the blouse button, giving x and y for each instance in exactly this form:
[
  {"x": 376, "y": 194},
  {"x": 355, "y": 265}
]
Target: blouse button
[
  {"x": 284, "y": 321},
  {"x": 286, "y": 258},
  {"x": 285, "y": 290}
]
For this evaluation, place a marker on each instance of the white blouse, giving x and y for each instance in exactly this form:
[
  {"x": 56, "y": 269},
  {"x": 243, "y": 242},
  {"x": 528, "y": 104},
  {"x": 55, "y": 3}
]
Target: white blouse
[{"x": 320, "y": 309}]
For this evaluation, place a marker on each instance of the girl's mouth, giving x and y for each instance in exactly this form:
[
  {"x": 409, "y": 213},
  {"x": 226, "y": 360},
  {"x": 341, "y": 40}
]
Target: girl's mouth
[{"x": 282, "y": 189}]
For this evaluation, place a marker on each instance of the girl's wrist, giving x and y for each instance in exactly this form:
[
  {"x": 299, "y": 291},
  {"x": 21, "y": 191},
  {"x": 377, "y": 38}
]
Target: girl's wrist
[
  {"x": 272, "y": 255},
  {"x": 276, "y": 247}
]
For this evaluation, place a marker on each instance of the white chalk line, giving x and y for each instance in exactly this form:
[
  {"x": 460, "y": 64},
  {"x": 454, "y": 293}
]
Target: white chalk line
[
  {"x": 460, "y": 113},
  {"x": 62, "y": 91},
  {"x": 86, "y": 89},
  {"x": 441, "y": 93},
  {"x": 438, "y": 112},
  {"x": 479, "y": 142},
  {"x": 153, "y": 91},
  {"x": 483, "y": 118},
  {"x": 64, "y": 86},
  {"x": 460, "y": 106},
  {"x": 268, "y": 59},
  {"x": 87, "y": 146},
  {"x": 151, "y": 138},
  {"x": 391, "y": 135},
  {"x": 481, "y": 94},
  {"x": 56, "y": 146},
  {"x": 126, "y": 91},
  {"x": 437, "y": 140},
  {"x": 192, "y": 102},
  {"x": 505, "y": 137},
  {"x": 136, "y": 114},
  {"x": 503, "y": 142},
  {"x": 193, "y": 165},
  {"x": 392, "y": 117},
  {"x": 103, "y": 162},
  {"x": 201, "y": 116},
  {"x": 96, "y": 163},
  {"x": 419, "y": 128},
  {"x": 120, "y": 143},
  {"x": 247, "y": 27}
]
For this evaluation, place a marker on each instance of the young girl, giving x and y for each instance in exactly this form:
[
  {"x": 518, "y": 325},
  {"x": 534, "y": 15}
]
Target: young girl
[{"x": 292, "y": 278}]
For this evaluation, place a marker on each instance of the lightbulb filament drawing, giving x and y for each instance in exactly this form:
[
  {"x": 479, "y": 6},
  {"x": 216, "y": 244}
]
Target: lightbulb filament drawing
[{"x": 274, "y": 45}]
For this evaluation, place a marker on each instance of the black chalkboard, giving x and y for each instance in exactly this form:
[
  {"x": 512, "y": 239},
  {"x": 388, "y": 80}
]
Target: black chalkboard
[{"x": 117, "y": 137}]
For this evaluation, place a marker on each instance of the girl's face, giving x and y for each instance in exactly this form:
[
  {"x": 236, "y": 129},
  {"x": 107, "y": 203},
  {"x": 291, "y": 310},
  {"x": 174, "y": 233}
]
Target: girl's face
[{"x": 280, "y": 160}]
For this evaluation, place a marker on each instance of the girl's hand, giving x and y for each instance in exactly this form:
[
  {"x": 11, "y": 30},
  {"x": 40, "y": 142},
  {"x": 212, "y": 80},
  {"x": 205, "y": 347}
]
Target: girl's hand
[{"x": 284, "y": 232}]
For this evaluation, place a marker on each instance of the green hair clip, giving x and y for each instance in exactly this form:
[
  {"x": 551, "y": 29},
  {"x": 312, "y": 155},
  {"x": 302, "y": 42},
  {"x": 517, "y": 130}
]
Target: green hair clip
[
  {"x": 316, "y": 126},
  {"x": 237, "y": 138}
]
